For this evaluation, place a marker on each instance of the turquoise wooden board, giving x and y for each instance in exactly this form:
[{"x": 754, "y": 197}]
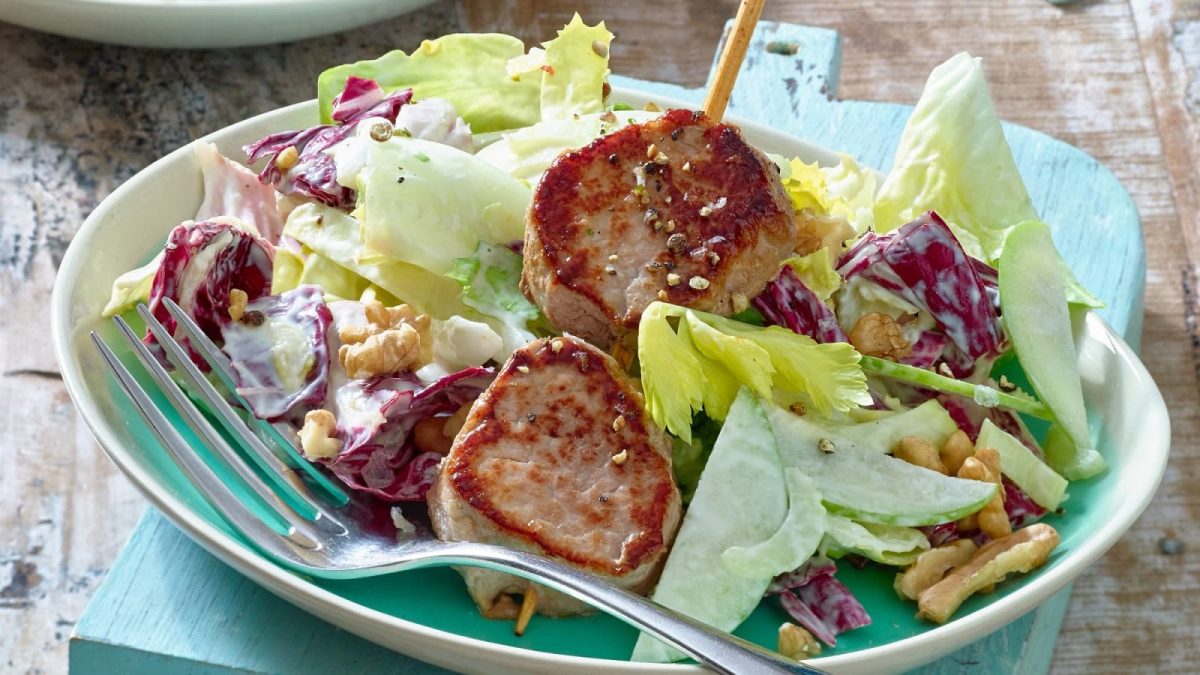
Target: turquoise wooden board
[{"x": 169, "y": 607}]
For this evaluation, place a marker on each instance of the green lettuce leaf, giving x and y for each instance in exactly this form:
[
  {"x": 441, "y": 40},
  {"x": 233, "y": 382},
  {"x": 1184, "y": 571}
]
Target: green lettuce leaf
[
  {"x": 427, "y": 203},
  {"x": 700, "y": 366},
  {"x": 844, "y": 191},
  {"x": 527, "y": 153},
  {"x": 887, "y": 544},
  {"x": 953, "y": 159},
  {"x": 132, "y": 287},
  {"x": 816, "y": 271},
  {"x": 490, "y": 285},
  {"x": 336, "y": 236},
  {"x": 575, "y": 72},
  {"x": 491, "y": 81}
]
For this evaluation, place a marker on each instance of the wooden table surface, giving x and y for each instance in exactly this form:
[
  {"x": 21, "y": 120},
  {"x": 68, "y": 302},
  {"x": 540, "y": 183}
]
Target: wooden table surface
[{"x": 1120, "y": 79}]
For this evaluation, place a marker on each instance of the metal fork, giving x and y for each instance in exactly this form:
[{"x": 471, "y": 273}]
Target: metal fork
[{"x": 317, "y": 535}]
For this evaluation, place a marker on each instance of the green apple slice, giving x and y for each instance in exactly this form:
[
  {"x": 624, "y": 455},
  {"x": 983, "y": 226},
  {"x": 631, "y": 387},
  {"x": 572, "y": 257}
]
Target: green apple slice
[
  {"x": 860, "y": 481},
  {"x": 741, "y": 501},
  {"x": 794, "y": 542},
  {"x": 1022, "y": 467},
  {"x": 1038, "y": 323},
  {"x": 928, "y": 420}
]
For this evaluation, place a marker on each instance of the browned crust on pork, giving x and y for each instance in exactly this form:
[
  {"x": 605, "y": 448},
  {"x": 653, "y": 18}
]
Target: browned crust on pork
[
  {"x": 645, "y": 473},
  {"x": 735, "y": 248}
]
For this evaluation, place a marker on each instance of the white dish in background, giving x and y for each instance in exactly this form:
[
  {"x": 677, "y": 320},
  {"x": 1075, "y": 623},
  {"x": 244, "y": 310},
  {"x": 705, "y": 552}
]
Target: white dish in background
[
  {"x": 199, "y": 24},
  {"x": 1117, "y": 389}
]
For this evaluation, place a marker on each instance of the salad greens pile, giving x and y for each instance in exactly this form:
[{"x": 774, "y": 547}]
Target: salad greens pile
[{"x": 402, "y": 213}]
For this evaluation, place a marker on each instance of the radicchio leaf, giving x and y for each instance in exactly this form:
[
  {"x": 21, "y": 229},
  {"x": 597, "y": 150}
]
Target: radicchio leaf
[
  {"x": 374, "y": 420},
  {"x": 787, "y": 302},
  {"x": 819, "y": 602},
  {"x": 923, "y": 263},
  {"x": 1021, "y": 509},
  {"x": 280, "y": 352},
  {"x": 314, "y": 174},
  {"x": 202, "y": 262}
]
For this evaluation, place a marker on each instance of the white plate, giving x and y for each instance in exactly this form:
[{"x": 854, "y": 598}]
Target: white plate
[
  {"x": 199, "y": 24},
  {"x": 1117, "y": 388}
]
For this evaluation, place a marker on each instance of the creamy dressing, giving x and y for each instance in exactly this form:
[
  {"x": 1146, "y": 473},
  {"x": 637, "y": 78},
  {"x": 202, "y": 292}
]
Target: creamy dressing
[{"x": 197, "y": 268}]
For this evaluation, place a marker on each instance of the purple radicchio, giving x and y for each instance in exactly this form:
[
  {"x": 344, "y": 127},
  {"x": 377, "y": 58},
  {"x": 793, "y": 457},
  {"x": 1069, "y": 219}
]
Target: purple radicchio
[
  {"x": 314, "y": 174},
  {"x": 787, "y": 302},
  {"x": 375, "y": 418},
  {"x": 819, "y": 602},
  {"x": 924, "y": 264},
  {"x": 280, "y": 352},
  {"x": 203, "y": 262}
]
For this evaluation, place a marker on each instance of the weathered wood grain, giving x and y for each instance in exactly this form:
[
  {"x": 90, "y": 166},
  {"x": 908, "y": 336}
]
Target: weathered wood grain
[{"x": 1119, "y": 79}]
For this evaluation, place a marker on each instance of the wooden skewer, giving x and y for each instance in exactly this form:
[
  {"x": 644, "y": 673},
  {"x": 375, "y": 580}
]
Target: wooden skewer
[{"x": 731, "y": 58}]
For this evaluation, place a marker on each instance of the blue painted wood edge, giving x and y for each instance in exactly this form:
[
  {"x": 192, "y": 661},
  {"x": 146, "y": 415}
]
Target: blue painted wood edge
[{"x": 168, "y": 606}]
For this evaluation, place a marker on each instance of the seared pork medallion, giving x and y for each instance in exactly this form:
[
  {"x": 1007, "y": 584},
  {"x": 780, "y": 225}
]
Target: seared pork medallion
[
  {"x": 678, "y": 209},
  {"x": 557, "y": 457}
]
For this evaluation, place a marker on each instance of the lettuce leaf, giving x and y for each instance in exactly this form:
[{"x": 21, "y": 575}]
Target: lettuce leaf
[
  {"x": 817, "y": 273},
  {"x": 426, "y": 203},
  {"x": 527, "y": 153},
  {"x": 576, "y": 68},
  {"x": 335, "y": 235},
  {"x": 472, "y": 71},
  {"x": 701, "y": 365},
  {"x": 132, "y": 287},
  {"x": 953, "y": 159},
  {"x": 887, "y": 544},
  {"x": 844, "y": 191},
  {"x": 490, "y": 285}
]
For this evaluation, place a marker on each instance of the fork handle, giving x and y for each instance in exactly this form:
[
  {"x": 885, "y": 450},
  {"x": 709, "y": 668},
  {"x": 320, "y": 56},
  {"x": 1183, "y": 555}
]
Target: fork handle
[{"x": 720, "y": 651}]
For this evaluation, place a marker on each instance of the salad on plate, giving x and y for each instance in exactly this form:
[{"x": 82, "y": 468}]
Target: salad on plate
[{"x": 634, "y": 342}]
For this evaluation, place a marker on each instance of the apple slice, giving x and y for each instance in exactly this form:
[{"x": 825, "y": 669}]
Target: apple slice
[
  {"x": 741, "y": 501},
  {"x": 858, "y": 480},
  {"x": 1036, "y": 318}
]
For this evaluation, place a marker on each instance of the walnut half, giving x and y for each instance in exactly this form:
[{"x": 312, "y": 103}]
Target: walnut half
[
  {"x": 876, "y": 334},
  {"x": 931, "y": 566},
  {"x": 1021, "y": 551},
  {"x": 797, "y": 643},
  {"x": 386, "y": 353}
]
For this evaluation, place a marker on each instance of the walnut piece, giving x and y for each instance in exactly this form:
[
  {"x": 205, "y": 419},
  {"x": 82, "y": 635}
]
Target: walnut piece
[
  {"x": 1019, "y": 552},
  {"x": 237, "y": 304},
  {"x": 918, "y": 451},
  {"x": 931, "y": 566},
  {"x": 876, "y": 334},
  {"x": 956, "y": 450},
  {"x": 797, "y": 643},
  {"x": 816, "y": 231},
  {"x": 992, "y": 519},
  {"x": 316, "y": 436},
  {"x": 381, "y": 318},
  {"x": 386, "y": 353}
]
